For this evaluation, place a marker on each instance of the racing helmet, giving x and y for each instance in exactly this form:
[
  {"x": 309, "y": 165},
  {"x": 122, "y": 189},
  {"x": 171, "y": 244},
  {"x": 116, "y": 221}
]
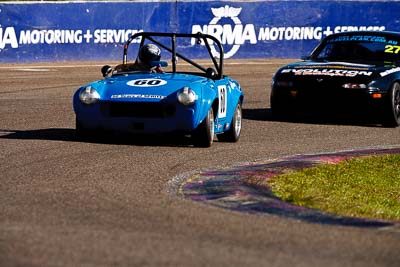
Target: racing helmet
[{"x": 149, "y": 53}]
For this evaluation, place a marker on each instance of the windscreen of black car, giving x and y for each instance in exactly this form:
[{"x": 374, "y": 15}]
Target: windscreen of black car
[{"x": 369, "y": 49}]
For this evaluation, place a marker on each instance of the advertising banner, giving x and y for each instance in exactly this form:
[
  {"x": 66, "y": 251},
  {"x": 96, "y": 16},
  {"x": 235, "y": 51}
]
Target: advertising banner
[{"x": 94, "y": 31}]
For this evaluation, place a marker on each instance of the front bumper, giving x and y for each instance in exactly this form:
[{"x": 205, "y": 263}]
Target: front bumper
[
  {"x": 125, "y": 117},
  {"x": 329, "y": 98}
]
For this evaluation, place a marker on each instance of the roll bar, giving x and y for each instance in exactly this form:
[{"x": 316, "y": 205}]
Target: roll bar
[{"x": 151, "y": 36}]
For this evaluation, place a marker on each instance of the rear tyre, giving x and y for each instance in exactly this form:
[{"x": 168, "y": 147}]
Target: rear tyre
[
  {"x": 204, "y": 134},
  {"x": 233, "y": 134},
  {"x": 392, "y": 107}
]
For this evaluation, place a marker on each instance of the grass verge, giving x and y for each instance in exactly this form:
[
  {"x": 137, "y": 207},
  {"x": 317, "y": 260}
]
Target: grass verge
[{"x": 360, "y": 187}]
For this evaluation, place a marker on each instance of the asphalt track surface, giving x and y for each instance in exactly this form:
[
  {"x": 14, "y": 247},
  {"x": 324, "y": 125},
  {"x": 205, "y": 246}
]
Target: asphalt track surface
[{"x": 70, "y": 203}]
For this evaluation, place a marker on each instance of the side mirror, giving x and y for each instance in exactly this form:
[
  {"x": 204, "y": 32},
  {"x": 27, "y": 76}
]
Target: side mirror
[{"x": 106, "y": 70}]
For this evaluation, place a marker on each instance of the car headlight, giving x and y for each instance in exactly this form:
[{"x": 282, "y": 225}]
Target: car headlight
[
  {"x": 354, "y": 86},
  {"x": 187, "y": 96},
  {"x": 283, "y": 83},
  {"x": 89, "y": 95}
]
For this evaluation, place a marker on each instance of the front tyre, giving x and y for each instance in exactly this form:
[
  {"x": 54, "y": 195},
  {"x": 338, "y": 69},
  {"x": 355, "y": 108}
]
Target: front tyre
[
  {"x": 204, "y": 134},
  {"x": 233, "y": 134},
  {"x": 392, "y": 107}
]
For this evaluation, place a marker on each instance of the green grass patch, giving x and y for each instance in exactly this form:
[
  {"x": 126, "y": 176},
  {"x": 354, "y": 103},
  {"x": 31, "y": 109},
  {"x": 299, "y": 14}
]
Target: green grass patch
[{"x": 360, "y": 187}]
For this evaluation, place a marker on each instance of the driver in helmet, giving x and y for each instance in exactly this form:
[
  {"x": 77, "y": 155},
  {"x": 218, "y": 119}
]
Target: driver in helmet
[{"x": 147, "y": 54}]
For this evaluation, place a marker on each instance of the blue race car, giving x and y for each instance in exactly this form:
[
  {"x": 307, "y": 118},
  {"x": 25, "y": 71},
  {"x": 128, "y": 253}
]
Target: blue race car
[
  {"x": 147, "y": 96},
  {"x": 357, "y": 72}
]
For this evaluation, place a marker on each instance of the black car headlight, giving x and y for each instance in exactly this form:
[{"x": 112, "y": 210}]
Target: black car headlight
[
  {"x": 187, "y": 96},
  {"x": 89, "y": 95},
  {"x": 354, "y": 86},
  {"x": 283, "y": 83}
]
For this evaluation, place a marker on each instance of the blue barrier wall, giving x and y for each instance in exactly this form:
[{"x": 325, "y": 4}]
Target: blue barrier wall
[{"x": 86, "y": 31}]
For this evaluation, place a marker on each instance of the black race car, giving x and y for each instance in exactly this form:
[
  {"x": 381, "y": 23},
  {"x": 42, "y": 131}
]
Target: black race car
[{"x": 351, "y": 71}]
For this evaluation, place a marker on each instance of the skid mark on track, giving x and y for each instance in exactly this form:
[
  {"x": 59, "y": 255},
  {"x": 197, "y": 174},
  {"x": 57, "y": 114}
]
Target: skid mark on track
[
  {"x": 32, "y": 69},
  {"x": 231, "y": 187}
]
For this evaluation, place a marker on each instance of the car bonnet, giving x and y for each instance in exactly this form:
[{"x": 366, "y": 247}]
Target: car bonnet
[{"x": 146, "y": 87}]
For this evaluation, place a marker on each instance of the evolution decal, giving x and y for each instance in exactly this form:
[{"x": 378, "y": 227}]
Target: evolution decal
[{"x": 327, "y": 72}]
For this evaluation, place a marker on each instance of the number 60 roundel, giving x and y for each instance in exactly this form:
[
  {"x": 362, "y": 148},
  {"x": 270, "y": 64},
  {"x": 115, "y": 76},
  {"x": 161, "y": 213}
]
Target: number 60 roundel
[{"x": 146, "y": 82}]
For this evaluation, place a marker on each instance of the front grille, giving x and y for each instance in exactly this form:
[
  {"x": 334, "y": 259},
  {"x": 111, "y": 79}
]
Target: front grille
[
  {"x": 327, "y": 88},
  {"x": 318, "y": 83},
  {"x": 139, "y": 109},
  {"x": 327, "y": 93}
]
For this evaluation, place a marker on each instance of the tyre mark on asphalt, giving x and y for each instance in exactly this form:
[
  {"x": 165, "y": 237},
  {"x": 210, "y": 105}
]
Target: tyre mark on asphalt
[{"x": 42, "y": 88}]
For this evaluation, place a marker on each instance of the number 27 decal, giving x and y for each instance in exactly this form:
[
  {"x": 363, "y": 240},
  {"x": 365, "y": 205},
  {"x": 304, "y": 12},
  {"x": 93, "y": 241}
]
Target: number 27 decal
[{"x": 394, "y": 49}]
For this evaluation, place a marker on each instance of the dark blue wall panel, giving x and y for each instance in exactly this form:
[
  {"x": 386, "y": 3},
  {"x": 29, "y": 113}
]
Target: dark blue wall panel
[{"x": 39, "y": 32}]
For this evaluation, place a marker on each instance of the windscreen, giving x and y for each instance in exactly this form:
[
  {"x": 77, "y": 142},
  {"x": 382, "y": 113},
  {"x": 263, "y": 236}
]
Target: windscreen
[{"x": 368, "y": 49}]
